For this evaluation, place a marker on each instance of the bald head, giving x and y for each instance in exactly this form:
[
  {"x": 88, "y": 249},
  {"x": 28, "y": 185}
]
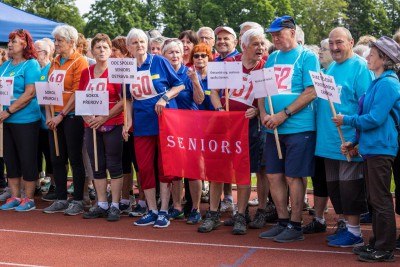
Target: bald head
[{"x": 341, "y": 44}]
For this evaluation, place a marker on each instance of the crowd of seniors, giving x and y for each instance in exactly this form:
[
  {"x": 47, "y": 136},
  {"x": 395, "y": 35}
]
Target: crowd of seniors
[{"x": 349, "y": 150}]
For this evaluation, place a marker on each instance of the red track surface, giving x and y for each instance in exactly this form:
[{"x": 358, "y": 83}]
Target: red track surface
[{"x": 38, "y": 239}]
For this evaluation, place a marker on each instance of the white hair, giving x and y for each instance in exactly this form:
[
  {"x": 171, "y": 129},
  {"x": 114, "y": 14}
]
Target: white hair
[
  {"x": 67, "y": 32},
  {"x": 299, "y": 35},
  {"x": 172, "y": 44},
  {"x": 50, "y": 43},
  {"x": 313, "y": 48},
  {"x": 251, "y": 24},
  {"x": 137, "y": 34},
  {"x": 324, "y": 42},
  {"x": 248, "y": 35},
  {"x": 44, "y": 46},
  {"x": 361, "y": 50},
  {"x": 206, "y": 29}
]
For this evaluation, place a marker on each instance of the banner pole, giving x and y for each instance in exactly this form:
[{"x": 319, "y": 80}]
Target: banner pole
[
  {"x": 338, "y": 128},
  {"x": 226, "y": 99},
  {"x": 1, "y": 135},
  {"x": 55, "y": 133},
  {"x": 125, "y": 114},
  {"x": 278, "y": 144}
]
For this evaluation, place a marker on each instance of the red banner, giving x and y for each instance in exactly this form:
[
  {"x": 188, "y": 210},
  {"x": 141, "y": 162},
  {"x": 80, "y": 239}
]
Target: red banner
[{"x": 206, "y": 145}]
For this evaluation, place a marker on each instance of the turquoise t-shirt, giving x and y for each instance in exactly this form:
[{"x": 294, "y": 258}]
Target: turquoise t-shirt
[
  {"x": 352, "y": 79},
  {"x": 43, "y": 78},
  {"x": 301, "y": 60},
  {"x": 27, "y": 72}
]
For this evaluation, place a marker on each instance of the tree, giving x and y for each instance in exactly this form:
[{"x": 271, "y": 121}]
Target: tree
[
  {"x": 116, "y": 17},
  {"x": 392, "y": 8}
]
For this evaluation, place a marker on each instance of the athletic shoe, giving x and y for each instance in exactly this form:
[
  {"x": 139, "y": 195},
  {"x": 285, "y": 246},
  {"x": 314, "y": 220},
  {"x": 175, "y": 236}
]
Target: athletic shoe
[
  {"x": 114, "y": 214},
  {"x": 289, "y": 235},
  {"x": 57, "y": 206},
  {"x": 231, "y": 221},
  {"x": 341, "y": 229},
  {"x": 259, "y": 219},
  {"x": 6, "y": 194},
  {"x": 70, "y": 189},
  {"x": 51, "y": 194},
  {"x": 210, "y": 223},
  {"x": 162, "y": 220},
  {"x": 366, "y": 218},
  {"x": 125, "y": 208},
  {"x": 377, "y": 256},
  {"x": 347, "y": 240},
  {"x": 253, "y": 202},
  {"x": 138, "y": 211},
  {"x": 363, "y": 249},
  {"x": 26, "y": 205},
  {"x": 95, "y": 212},
  {"x": 45, "y": 185},
  {"x": 92, "y": 193},
  {"x": 11, "y": 204},
  {"x": 148, "y": 219},
  {"x": 398, "y": 243},
  {"x": 314, "y": 227},
  {"x": 240, "y": 226},
  {"x": 175, "y": 214},
  {"x": 226, "y": 205},
  {"x": 74, "y": 208},
  {"x": 273, "y": 232},
  {"x": 194, "y": 217}
]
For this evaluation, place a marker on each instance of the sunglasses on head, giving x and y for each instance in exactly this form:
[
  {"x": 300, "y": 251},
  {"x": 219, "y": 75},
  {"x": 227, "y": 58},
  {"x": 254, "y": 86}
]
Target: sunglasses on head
[{"x": 200, "y": 55}]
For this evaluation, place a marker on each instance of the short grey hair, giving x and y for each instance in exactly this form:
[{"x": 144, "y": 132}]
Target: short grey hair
[
  {"x": 300, "y": 35},
  {"x": 248, "y": 35},
  {"x": 346, "y": 31},
  {"x": 159, "y": 40},
  {"x": 67, "y": 32},
  {"x": 174, "y": 42},
  {"x": 324, "y": 42},
  {"x": 136, "y": 33},
  {"x": 206, "y": 29},
  {"x": 44, "y": 46},
  {"x": 251, "y": 24},
  {"x": 361, "y": 50}
]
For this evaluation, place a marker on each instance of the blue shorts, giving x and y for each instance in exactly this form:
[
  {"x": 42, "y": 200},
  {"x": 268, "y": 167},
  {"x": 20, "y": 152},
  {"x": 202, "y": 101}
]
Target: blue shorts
[
  {"x": 297, "y": 152},
  {"x": 256, "y": 144}
]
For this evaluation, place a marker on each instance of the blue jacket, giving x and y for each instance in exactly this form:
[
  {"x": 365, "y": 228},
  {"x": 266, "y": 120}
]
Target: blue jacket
[{"x": 378, "y": 134}]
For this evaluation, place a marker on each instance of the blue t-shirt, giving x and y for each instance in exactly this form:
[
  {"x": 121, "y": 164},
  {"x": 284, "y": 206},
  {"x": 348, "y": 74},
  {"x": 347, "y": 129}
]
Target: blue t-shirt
[
  {"x": 163, "y": 77},
  {"x": 304, "y": 60},
  {"x": 27, "y": 72},
  {"x": 43, "y": 78},
  {"x": 232, "y": 54},
  {"x": 352, "y": 79},
  {"x": 207, "y": 104},
  {"x": 185, "y": 97}
]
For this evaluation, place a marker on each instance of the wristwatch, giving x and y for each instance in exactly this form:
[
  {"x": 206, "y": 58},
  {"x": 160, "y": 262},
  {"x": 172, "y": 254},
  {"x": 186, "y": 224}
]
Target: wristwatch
[
  {"x": 166, "y": 98},
  {"x": 287, "y": 112}
]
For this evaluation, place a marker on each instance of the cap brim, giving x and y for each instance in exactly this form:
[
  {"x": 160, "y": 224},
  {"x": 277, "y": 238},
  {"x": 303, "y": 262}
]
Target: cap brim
[{"x": 277, "y": 29}]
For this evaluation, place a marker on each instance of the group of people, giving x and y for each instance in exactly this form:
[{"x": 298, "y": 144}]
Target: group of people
[{"x": 349, "y": 150}]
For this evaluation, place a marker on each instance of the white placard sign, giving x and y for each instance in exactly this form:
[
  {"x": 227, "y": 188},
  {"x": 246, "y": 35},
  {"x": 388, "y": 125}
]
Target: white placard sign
[
  {"x": 6, "y": 90},
  {"x": 122, "y": 70},
  {"x": 48, "y": 96},
  {"x": 264, "y": 82},
  {"x": 325, "y": 86},
  {"x": 88, "y": 103},
  {"x": 221, "y": 75}
]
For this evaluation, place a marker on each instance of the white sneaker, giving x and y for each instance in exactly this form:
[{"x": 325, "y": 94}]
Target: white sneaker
[
  {"x": 253, "y": 202},
  {"x": 226, "y": 205},
  {"x": 6, "y": 194}
]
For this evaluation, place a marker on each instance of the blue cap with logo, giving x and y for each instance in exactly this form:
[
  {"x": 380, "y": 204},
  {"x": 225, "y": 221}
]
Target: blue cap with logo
[{"x": 281, "y": 23}]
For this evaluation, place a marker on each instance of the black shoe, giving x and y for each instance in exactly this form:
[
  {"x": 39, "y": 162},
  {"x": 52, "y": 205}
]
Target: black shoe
[
  {"x": 240, "y": 226},
  {"x": 363, "y": 249},
  {"x": 398, "y": 243},
  {"x": 95, "y": 212},
  {"x": 272, "y": 214},
  {"x": 376, "y": 256},
  {"x": 231, "y": 221},
  {"x": 314, "y": 227},
  {"x": 210, "y": 223},
  {"x": 259, "y": 219},
  {"x": 51, "y": 194},
  {"x": 114, "y": 214}
]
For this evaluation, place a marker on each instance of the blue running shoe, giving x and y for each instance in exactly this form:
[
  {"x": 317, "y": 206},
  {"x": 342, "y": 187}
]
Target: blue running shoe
[
  {"x": 194, "y": 217},
  {"x": 138, "y": 211},
  {"x": 162, "y": 220},
  {"x": 148, "y": 219},
  {"x": 11, "y": 204},
  {"x": 341, "y": 228},
  {"x": 175, "y": 214},
  {"x": 347, "y": 240},
  {"x": 26, "y": 205}
]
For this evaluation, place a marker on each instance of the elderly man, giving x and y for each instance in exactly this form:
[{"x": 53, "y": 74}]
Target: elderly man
[
  {"x": 295, "y": 120},
  {"x": 241, "y": 99},
  {"x": 226, "y": 43},
  {"x": 206, "y": 35},
  {"x": 345, "y": 180}
]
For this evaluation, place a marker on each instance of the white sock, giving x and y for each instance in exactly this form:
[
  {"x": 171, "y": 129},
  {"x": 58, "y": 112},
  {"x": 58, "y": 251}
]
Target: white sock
[
  {"x": 228, "y": 197},
  {"x": 142, "y": 203},
  {"x": 354, "y": 229},
  {"x": 155, "y": 212},
  {"x": 116, "y": 205},
  {"x": 320, "y": 220},
  {"x": 103, "y": 205},
  {"x": 125, "y": 201}
]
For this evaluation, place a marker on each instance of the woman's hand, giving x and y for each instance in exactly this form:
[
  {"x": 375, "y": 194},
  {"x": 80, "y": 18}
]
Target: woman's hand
[
  {"x": 54, "y": 122},
  {"x": 160, "y": 105},
  {"x": 338, "y": 120},
  {"x": 251, "y": 113},
  {"x": 192, "y": 74},
  {"x": 97, "y": 122},
  {"x": 3, "y": 116}
]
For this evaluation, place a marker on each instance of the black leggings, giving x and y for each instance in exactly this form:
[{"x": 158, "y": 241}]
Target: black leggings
[
  {"x": 70, "y": 142},
  {"x": 396, "y": 175},
  {"x": 109, "y": 152},
  {"x": 20, "y": 150},
  {"x": 2, "y": 178},
  {"x": 44, "y": 150},
  {"x": 129, "y": 156}
]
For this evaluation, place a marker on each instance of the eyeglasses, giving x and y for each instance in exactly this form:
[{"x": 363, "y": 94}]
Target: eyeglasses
[{"x": 200, "y": 55}]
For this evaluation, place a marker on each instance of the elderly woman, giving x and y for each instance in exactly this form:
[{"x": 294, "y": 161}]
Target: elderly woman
[
  {"x": 156, "y": 86},
  {"x": 65, "y": 72},
  {"x": 3, "y": 56},
  {"x": 156, "y": 44},
  {"x": 377, "y": 138},
  {"x": 108, "y": 134},
  {"x": 188, "y": 98},
  {"x": 21, "y": 120},
  {"x": 189, "y": 39}
]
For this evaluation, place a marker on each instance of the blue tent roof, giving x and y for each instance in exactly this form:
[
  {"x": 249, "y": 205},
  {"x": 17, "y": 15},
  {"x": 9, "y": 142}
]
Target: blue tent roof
[{"x": 12, "y": 18}]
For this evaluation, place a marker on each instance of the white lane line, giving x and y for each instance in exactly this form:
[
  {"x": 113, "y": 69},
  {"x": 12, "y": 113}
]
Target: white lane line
[
  {"x": 19, "y": 264},
  {"x": 174, "y": 242}
]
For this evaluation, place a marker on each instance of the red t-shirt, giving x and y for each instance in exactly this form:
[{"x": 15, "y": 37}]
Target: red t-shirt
[{"x": 114, "y": 96}]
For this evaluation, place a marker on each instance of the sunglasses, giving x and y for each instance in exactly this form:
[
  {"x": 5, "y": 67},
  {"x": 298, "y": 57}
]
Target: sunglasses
[{"x": 199, "y": 55}]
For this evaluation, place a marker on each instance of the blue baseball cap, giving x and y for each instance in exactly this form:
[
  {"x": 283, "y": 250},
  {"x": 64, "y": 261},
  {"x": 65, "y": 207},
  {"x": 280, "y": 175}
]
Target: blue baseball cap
[{"x": 280, "y": 23}]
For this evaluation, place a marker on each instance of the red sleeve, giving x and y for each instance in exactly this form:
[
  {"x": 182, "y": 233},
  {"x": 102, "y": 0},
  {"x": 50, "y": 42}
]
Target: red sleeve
[{"x": 84, "y": 80}]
